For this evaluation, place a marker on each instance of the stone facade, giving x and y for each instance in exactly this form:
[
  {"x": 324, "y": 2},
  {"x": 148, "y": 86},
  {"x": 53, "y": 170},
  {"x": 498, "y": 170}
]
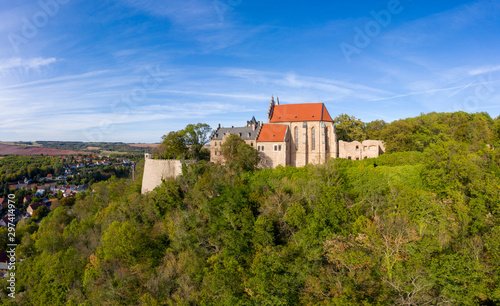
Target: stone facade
[
  {"x": 308, "y": 149},
  {"x": 248, "y": 133},
  {"x": 311, "y": 137},
  {"x": 273, "y": 144},
  {"x": 356, "y": 150},
  {"x": 156, "y": 170}
]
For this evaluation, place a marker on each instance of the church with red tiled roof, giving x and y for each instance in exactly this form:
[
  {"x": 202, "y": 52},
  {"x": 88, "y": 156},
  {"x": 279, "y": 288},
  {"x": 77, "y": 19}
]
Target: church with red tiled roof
[{"x": 295, "y": 134}]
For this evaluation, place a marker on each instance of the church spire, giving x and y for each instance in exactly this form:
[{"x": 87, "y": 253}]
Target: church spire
[{"x": 271, "y": 109}]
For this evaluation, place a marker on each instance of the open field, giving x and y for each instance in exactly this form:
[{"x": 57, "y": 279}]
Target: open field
[
  {"x": 144, "y": 145},
  {"x": 116, "y": 152},
  {"x": 34, "y": 150}
]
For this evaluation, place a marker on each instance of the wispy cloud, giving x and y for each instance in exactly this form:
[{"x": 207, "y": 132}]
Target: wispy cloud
[
  {"x": 192, "y": 14},
  {"x": 25, "y": 64},
  {"x": 332, "y": 88},
  {"x": 484, "y": 70},
  {"x": 423, "y": 30},
  {"x": 62, "y": 79}
]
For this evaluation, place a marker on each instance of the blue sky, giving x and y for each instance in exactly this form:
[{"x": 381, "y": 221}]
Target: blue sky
[{"x": 131, "y": 71}]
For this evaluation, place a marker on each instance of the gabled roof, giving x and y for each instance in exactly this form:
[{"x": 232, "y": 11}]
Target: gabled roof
[
  {"x": 35, "y": 206},
  {"x": 300, "y": 112},
  {"x": 272, "y": 132}
]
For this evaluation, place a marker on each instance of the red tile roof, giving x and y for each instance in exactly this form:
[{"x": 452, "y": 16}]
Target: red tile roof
[
  {"x": 300, "y": 112},
  {"x": 272, "y": 132}
]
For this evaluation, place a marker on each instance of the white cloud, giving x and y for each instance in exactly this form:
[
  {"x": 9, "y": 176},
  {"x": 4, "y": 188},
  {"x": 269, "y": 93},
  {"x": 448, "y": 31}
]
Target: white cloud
[
  {"x": 484, "y": 69},
  {"x": 26, "y": 64}
]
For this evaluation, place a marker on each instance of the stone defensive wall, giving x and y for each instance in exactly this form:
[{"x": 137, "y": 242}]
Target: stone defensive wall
[{"x": 156, "y": 170}]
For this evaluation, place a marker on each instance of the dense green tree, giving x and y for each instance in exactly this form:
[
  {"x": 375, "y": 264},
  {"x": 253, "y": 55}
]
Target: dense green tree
[
  {"x": 41, "y": 212},
  {"x": 238, "y": 155},
  {"x": 173, "y": 146},
  {"x": 416, "y": 226},
  {"x": 374, "y": 129},
  {"x": 349, "y": 128},
  {"x": 185, "y": 143},
  {"x": 121, "y": 242},
  {"x": 196, "y": 136},
  {"x": 496, "y": 129}
]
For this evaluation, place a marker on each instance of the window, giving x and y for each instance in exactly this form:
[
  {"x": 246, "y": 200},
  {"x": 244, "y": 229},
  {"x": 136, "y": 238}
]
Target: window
[
  {"x": 313, "y": 138},
  {"x": 251, "y": 143},
  {"x": 326, "y": 139},
  {"x": 260, "y": 148},
  {"x": 215, "y": 144},
  {"x": 296, "y": 132},
  {"x": 277, "y": 148}
]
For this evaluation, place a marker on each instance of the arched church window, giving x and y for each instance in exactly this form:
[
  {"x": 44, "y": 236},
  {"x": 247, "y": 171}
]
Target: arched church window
[
  {"x": 326, "y": 139},
  {"x": 313, "y": 138},
  {"x": 296, "y": 132}
]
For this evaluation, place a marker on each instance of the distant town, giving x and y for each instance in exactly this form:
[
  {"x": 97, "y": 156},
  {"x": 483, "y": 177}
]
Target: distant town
[{"x": 65, "y": 182}]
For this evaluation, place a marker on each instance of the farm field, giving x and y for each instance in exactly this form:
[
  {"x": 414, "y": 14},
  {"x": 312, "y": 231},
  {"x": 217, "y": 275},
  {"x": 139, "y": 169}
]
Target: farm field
[{"x": 34, "y": 150}]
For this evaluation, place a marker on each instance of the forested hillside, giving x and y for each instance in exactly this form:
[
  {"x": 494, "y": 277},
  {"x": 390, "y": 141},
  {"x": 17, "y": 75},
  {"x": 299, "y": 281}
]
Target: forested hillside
[{"x": 419, "y": 225}]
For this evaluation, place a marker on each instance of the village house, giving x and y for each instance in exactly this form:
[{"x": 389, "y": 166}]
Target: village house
[
  {"x": 32, "y": 207},
  {"x": 4, "y": 267},
  {"x": 4, "y": 203},
  {"x": 27, "y": 199}
]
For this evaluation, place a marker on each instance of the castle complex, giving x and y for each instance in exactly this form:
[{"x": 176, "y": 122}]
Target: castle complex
[{"x": 295, "y": 134}]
